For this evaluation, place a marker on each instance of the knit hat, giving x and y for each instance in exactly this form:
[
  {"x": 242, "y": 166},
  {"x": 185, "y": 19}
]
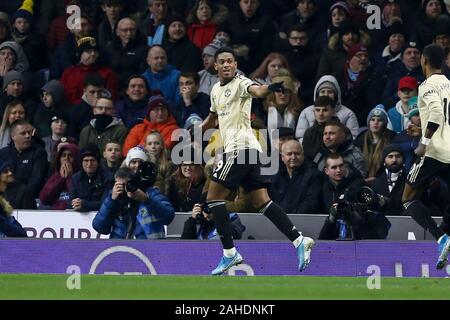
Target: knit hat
[
  {"x": 327, "y": 84},
  {"x": 391, "y": 148},
  {"x": 25, "y": 11},
  {"x": 285, "y": 132},
  {"x": 157, "y": 101},
  {"x": 396, "y": 28},
  {"x": 378, "y": 111},
  {"x": 442, "y": 27},
  {"x": 192, "y": 120},
  {"x": 212, "y": 47},
  {"x": 136, "y": 153},
  {"x": 412, "y": 106},
  {"x": 410, "y": 44},
  {"x": 346, "y": 27},
  {"x": 58, "y": 115},
  {"x": 173, "y": 18},
  {"x": 342, "y": 5},
  {"x": 11, "y": 76},
  {"x": 355, "y": 49},
  {"x": 90, "y": 149},
  {"x": 86, "y": 43},
  {"x": 407, "y": 83},
  {"x": 4, "y": 165},
  {"x": 284, "y": 75}
]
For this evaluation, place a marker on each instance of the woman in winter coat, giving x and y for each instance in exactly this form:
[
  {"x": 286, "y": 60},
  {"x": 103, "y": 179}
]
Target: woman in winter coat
[{"x": 56, "y": 192}]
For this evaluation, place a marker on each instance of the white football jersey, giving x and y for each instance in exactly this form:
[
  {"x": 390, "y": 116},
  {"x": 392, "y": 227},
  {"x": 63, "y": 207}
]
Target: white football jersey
[
  {"x": 232, "y": 103},
  {"x": 434, "y": 106}
]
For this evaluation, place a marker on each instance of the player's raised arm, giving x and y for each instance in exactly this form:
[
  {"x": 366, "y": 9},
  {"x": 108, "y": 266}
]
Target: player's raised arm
[{"x": 261, "y": 91}]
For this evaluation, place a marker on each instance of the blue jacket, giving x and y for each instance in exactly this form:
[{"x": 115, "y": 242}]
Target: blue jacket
[
  {"x": 407, "y": 144},
  {"x": 10, "y": 227},
  {"x": 151, "y": 217},
  {"x": 166, "y": 81}
]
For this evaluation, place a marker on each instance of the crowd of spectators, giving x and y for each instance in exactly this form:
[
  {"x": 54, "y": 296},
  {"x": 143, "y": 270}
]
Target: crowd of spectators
[{"x": 84, "y": 97}]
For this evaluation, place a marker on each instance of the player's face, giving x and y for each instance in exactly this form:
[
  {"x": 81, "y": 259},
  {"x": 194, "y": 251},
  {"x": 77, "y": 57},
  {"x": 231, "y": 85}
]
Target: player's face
[{"x": 225, "y": 66}]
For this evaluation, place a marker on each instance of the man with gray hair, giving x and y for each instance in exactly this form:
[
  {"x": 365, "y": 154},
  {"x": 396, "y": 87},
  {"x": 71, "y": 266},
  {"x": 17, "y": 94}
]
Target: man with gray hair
[{"x": 126, "y": 51}]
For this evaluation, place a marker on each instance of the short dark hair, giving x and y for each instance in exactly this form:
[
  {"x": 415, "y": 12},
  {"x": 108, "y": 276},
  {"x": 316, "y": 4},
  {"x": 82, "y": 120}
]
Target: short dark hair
[
  {"x": 138, "y": 76},
  {"x": 94, "y": 79},
  {"x": 191, "y": 74},
  {"x": 20, "y": 122},
  {"x": 335, "y": 122},
  {"x": 223, "y": 50},
  {"x": 434, "y": 55},
  {"x": 332, "y": 156},
  {"x": 324, "y": 101},
  {"x": 124, "y": 173},
  {"x": 296, "y": 27}
]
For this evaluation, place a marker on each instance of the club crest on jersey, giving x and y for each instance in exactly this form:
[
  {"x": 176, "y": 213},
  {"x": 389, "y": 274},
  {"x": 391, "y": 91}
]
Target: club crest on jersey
[{"x": 227, "y": 93}]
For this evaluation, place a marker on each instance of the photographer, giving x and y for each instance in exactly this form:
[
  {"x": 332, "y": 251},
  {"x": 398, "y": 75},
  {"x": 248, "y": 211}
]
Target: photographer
[
  {"x": 200, "y": 225},
  {"x": 352, "y": 205},
  {"x": 134, "y": 208}
]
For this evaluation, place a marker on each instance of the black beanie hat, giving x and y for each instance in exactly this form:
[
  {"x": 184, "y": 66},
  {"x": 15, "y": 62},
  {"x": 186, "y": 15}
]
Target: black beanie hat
[{"x": 391, "y": 148}]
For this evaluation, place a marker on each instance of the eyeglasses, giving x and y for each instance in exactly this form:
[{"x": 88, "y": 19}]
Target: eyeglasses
[{"x": 131, "y": 30}]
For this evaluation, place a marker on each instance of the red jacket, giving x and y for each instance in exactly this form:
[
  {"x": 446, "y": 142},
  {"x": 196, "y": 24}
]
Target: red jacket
[
  {"x": 139, "y": 132},
  {"x": 201, "y": 34},
  {"x": 73, "y": 78}
]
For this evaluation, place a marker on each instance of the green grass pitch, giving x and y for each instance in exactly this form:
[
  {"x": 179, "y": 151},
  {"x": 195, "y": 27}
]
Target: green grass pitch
[{"x": 101, "y": 287}]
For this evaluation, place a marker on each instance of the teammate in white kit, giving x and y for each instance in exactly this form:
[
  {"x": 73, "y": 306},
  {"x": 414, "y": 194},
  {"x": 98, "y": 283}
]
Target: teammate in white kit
[
  {"x": 231, "y": 104},
  {"x": 434, "y": 149}
]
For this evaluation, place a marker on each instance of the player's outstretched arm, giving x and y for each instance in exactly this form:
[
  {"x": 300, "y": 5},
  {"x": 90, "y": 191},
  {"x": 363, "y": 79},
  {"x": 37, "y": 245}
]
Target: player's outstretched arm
[{"x": 261, "y": 91}]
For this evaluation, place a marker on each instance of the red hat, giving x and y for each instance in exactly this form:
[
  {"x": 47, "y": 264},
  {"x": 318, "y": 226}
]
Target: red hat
[
  {"x": 407, "y": 83},
  {"x": 355, "y": 49}
]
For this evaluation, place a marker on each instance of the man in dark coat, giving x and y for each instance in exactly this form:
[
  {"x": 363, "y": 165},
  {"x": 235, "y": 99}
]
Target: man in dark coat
[
  {"x": 91, "y": 184},
  {"x": 29, "y": 159},
  {"x": 296, "y": 186},
  {"x": 391, "y": 182}
]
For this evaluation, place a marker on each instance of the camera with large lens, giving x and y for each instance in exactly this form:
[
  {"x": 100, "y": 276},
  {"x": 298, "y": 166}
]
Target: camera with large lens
[{"x": 144, "y": 177}]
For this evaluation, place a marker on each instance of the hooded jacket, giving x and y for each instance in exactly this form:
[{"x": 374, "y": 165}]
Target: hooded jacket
[
  {"x": 398, "y": 118},
  {"x": 345, "y": 115},
  {"x": 43, "y": 114},
  {"x": 56, "y": 192},
  {"x": 21, "y": 64},
  {"x": 139, "y": 132},
  {"x": 115, "y": 131}
]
